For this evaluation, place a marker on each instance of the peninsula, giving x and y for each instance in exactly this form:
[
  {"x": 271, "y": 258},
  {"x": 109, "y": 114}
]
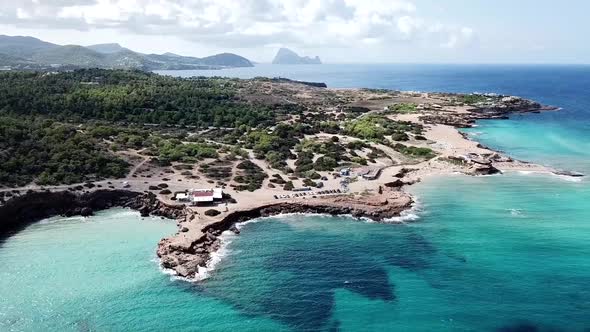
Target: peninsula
[{"x": 213, "y": 152}]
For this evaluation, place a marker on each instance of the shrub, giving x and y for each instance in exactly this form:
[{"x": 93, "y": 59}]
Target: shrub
[
  {"x": 212, "y": 213},
  {"x": 359, "y": 160},
  {"x": 413, "y": 151},
  {"x": 309, "y": 183},
  {"x": 289, "y": 186},
  {"x": 325, "y": 163},
  {"x": 400, "y": 136},
  {"x": 404, "y": 108}
]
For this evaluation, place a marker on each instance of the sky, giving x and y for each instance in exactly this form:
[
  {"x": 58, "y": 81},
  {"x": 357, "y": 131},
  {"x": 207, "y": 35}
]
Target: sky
[{"x": 339, "y": 31}]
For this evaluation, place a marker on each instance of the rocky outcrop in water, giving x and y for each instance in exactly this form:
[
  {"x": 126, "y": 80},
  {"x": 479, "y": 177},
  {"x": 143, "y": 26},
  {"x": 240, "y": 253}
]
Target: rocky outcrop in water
[
  {"x": 500, "y": 109},
  {"x": 287, "y": 57}
]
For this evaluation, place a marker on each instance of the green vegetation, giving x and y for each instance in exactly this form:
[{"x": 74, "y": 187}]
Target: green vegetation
[
  {"x": 357, "y": 145},
  {"x": 309, "y": 183},
  {"x": 375, "y": 127},
  {"x": 277, "y": 179},
  {"x": 472, "y": 99},
  {"x": 359, "y": 160},
  {"x": 69, "y": 127},
  {"x": 403, "y": 108},
  {"x": 331, "y": 154},
  {"x": 128, "y": 97},
  {"x": 50, "y": 153},
  {"x": 218, "y": 170},
  {"x": 174, "y": 150},
  {"x": 304, "y": 162},
  {"x": 212, "y": 213},
  {"x": 415, "y": 152},
  {"x": 275, "y": 146},
  {"x": 250, "y": 176},
  {"x": 289, "y": 186},
  {"x": 325, "y": 163}
]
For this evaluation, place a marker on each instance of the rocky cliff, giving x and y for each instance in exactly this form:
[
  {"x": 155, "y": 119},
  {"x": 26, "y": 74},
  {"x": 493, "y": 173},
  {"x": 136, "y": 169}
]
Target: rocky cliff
[
  {"x": 287, "y": 57},
  {"x": 21, "y": 211}
]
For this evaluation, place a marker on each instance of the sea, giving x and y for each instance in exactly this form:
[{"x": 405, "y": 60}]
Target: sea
[{"x": 506, "y": 252}]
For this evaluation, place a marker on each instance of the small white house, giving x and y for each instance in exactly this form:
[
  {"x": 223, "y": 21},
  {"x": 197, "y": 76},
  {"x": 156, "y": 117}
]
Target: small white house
[
  {"x": 182, "y": 197},
  {"x": 196, "y": 196}
]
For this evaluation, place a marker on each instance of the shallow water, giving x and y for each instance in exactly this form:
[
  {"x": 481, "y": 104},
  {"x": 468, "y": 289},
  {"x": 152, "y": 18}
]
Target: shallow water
[{"x": 507, "y": 253}]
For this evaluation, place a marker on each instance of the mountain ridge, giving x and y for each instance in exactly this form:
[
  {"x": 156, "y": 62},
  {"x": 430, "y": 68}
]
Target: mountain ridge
[
  {"x": 23, "y": 52},
  {"x": 107, "y": 48}
]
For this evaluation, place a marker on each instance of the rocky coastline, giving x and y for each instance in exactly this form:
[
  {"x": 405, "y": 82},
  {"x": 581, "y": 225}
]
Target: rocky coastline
[
  {"x": 188, "y": 258},
  {"x": 22, "y": 211},
  {"x": 502, "y": 111}
]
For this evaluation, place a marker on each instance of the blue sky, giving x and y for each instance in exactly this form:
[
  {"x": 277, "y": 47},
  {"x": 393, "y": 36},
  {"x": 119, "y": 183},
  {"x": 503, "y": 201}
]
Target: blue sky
[{"x": 339, "y": 31}]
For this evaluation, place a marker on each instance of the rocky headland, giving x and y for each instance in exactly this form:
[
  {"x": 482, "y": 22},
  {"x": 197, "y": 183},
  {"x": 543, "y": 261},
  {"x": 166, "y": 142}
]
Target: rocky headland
[{"x": 189, "y": 251}]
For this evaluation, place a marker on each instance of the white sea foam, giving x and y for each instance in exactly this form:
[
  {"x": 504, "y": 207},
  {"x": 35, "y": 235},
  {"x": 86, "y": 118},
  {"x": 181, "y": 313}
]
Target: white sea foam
[
  {"x": 516, "y": 212},
  {"x": 563, "y": 177},
  {"x": 215, "y": 258},
  {"x": 60, "y": 219},
  {"x": 568, "y": 178},
  {"x": 173, "y": 275},
  {"x": 227, "y": 237},
  {"x": 408, "y": 215}
]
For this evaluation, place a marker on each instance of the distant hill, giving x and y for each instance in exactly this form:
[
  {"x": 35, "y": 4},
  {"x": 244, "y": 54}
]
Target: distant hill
[
  {"x": 32, "y": 53},
  {"x": 287, "y": 57},
  {"x": 107, "y": 48},
  {"x": 23, "y": 47},
  {"x": 9, "y": 60},
  {"x": 69, "y": 54},
  {"x": 226, "y": 60}
]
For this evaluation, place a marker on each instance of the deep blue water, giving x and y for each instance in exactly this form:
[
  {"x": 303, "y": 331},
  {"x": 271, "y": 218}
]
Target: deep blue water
[{"x": 499, "y": 253}]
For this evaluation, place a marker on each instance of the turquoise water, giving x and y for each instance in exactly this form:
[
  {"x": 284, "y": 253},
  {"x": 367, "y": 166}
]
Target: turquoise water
[
  {"x": 496, "y": 253},
  {"x": 101, "y": 274},
  {"x": 558, "y": 144},
  {"x": 486, "y": 253}
]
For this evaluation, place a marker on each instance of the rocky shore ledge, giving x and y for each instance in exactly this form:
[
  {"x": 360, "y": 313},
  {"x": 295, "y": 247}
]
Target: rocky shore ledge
[
  {"x": 189, "y": 251},
  {"x": 22, "y": 211}
]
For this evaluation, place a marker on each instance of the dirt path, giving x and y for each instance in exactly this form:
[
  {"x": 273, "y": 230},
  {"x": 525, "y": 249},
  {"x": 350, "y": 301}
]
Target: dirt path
[{"x": 137, "y": 167}]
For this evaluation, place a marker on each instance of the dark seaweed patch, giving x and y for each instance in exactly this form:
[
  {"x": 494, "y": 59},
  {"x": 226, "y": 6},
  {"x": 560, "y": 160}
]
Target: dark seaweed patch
[{"x": 527, "y": 327}]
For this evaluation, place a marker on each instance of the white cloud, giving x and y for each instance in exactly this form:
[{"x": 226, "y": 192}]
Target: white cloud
[{"x": 245, "y": 23}]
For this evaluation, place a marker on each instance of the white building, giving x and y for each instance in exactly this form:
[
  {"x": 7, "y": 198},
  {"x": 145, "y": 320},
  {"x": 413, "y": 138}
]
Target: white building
[{"x": 199, "y": 196}]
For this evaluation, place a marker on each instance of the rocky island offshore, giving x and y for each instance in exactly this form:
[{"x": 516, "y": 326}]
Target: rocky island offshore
[{"x": 211, "y": 153}]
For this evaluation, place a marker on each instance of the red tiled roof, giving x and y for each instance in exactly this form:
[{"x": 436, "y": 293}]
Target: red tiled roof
[{"x": 202, "y": 193}]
